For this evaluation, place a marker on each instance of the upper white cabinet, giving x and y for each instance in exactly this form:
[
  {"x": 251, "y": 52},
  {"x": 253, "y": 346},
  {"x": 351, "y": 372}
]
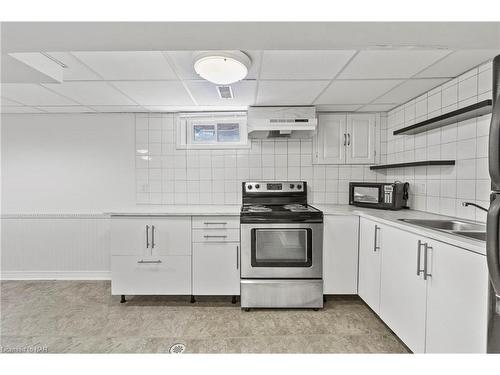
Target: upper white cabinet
[
  {"x": 345, "y": 138},
  {"x": 340, "y": 254}
]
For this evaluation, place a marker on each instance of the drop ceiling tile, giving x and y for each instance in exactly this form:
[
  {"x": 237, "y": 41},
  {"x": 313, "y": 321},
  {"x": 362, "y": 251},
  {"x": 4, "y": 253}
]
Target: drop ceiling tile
[
  {"x": 75, "y": 70},
  {"x": 377, "y": 107},
  {"x": 355, "y": 91},
  {"x": 118, "y": 108},
  {"x": 409, "y": 90},
  {"x": 457, "y": 63},
  {"x": 205, "y": 93},
  {"x": 390, "y": 64},
  {"x": 128, "y": 65},
  {"x": 338, "y": 107},
  {"x": 156, "y": 92},
  {"x": 33, "y": 94},
  {"x": 67, "y": 109},
  {"x": 183, "y": 62},
  {"x": 303, "y": 64},
  {"x": 289, "y": 92},
  {"x": 91, "y": 93},
  {"x": 6, "y": 102},
  {"x": 193, "y": 108},
  {"x": 20, "y": 109}
]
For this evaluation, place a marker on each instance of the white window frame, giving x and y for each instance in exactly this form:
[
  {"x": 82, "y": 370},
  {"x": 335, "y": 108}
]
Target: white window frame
[{"x": 187, "y": 121}]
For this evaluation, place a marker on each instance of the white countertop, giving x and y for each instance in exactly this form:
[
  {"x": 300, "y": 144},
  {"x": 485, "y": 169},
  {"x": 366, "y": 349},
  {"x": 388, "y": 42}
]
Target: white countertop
[
  {"x": 188, "y": 210},
  {"x": 392, "y": 218}
]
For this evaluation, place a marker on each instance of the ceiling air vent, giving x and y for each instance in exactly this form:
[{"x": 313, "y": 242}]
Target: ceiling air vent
[{"x": 225, "y": 92}]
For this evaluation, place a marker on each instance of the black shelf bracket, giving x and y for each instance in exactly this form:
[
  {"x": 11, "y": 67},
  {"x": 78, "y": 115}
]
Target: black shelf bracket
[
  {"x": 413, "y": 164},
  {"x": 474, "y": 110}
]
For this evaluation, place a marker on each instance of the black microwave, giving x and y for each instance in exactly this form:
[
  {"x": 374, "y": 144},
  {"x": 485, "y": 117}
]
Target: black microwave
[{"x": 387, "y": 196}]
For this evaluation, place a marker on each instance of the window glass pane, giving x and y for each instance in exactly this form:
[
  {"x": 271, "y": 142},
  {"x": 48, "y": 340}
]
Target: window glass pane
[
  {"x": 282, "y": 245},
  {"x": 229, "y": 132},
  {"x": 204, "y": 133}
]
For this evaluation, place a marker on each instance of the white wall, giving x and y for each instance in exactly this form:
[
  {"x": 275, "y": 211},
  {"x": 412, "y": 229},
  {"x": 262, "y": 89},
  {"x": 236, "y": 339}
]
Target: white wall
[
  {"x": 443, "y": 189},
  {"x": 67, "y": 162}
]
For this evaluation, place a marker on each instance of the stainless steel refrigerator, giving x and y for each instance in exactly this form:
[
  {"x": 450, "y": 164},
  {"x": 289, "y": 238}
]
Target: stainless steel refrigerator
[{"x": 493, "y": 221}]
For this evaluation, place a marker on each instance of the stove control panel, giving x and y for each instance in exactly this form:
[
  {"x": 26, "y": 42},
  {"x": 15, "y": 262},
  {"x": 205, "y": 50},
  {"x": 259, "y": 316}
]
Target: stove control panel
[{"x": 274, "y": 187}]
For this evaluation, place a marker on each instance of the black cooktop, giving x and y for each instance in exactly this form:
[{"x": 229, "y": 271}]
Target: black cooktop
[{"x": 280, "y": 213}]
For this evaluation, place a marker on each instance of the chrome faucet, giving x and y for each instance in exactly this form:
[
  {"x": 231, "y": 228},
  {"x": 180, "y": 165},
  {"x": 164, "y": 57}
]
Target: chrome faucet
[{"x": 465, "y": 204}]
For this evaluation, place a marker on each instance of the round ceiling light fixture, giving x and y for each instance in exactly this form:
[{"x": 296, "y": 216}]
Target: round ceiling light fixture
[{"x": 222, "y": 67}]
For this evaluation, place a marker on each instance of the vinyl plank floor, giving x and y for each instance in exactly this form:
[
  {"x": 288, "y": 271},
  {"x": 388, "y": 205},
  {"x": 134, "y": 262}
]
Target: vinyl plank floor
[{"x": 83, "y": 317}]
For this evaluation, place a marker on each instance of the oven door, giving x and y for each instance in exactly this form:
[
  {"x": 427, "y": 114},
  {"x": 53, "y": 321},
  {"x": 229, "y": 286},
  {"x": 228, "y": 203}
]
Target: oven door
[{"x": 281, "y": 250}]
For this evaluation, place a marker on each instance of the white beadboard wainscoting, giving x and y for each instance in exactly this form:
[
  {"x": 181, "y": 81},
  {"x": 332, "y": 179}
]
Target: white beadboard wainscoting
[{"x": 55, "y": 246}]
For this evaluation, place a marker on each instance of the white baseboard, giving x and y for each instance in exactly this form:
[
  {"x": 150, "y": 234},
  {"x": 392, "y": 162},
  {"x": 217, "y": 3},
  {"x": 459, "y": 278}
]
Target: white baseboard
[{"x": 55, "y": 275}]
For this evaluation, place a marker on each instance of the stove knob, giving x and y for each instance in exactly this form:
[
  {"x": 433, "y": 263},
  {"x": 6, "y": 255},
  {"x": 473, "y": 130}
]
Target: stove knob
[
  {"x": 249, "y": 187},
  {"x": 257, "y": 186},
  {"x": 292, "y": 186},
  {"x": 299, "y": 187}
]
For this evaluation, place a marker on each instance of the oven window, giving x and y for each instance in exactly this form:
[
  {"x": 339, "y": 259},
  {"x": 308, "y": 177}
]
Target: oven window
[
  {"x": 363, "y": 194},
  {"x": 281, "y": 247}
]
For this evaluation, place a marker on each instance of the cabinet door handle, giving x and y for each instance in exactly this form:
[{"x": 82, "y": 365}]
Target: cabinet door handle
[
  {"x": 375, "y": 247},
  {"x": 147, "y": 236},
  {"x": 345, "y": 139},
  {"x": 149, "y": 261},
  {"x": 215, "y": 222},
  {"x": 152, "y": 236},
  {"x": 348, "y": 139},
  {"x": 209, "y": 236},
  {"x": 237, "y": 257},
  {"x": 426, "y": 250},
  {"x": 419, "y": 246}
]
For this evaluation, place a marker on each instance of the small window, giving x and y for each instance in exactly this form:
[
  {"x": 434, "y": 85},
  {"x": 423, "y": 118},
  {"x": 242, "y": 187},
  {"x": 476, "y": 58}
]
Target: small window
[{"x": 204, "y": 131}]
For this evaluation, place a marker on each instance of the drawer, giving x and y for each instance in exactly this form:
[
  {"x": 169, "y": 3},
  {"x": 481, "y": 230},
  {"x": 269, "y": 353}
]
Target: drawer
[
  {"x": 154, "y": 276},
  {"x": 216, "y": 222},
  {"x": 216, "y": 235}
]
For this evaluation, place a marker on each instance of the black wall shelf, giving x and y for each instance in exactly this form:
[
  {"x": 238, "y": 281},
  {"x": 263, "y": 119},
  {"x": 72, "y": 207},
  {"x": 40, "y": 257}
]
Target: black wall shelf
[
  {"x": 462, "y": 114},
  {"x": 414, "y": 164}
]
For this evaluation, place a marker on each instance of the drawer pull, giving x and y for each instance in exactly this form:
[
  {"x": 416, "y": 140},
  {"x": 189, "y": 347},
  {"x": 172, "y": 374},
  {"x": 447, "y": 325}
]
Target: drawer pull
[
  {"x": 213, "y": 236},
  {"x": 215, "y": 222},
  {"x": 148, "y": 261}
]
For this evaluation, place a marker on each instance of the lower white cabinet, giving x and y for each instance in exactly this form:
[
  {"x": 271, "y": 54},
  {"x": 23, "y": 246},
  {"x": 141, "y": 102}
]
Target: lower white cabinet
[
  {"x": 457, "y": 293},
  {"x": 431, "y": 294},
  {"x": 369, "y": 263},
  {"x": 216, "y": 268},
  {"x": 340, "y": 254},
  {"x": 402, "y": 291},
  {"x": 161, "y": 275}
]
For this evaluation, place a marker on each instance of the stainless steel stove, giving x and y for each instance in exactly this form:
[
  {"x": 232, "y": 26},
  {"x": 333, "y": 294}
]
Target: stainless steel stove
[{"x": 281, "y": 246}]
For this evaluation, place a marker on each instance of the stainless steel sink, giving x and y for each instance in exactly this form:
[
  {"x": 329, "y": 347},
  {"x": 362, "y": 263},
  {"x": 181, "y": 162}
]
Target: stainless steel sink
[{"x": 461, "y": 228}]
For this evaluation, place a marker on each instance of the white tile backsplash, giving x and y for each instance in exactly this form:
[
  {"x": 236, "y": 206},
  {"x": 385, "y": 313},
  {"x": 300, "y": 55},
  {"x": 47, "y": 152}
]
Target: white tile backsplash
[{"x": 443, "y": 189}]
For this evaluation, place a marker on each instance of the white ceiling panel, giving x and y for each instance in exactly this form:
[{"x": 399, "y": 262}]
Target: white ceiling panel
[
  {"x": 205, "y": 93},
  {"x": 118, "y": 108},
  {"x": 378, "y": 64},
  {"x": 156, "y": 92},
  {"x": 91, "y": 93},
  {"x": 5, "y": 102},
  {"x": 355, "y": 92},
  {"x": 337, "y": 107},
  {"x": 22, "y": 109},
  {"x": 377, "y": 107},
  {"x": 288, "y": 92},
  {"x": 75, "y": 70},
  {"x": 190, "y": 108},
  {"x": 33, "y": 94},
  {"x": 125, "y": 65},
  {"x": 183, "y": 62},
  {"x": 457, "y": 63},
  {"x": 67, "y": 109},
  {"x": 303, "y": 64},
  {"x": 409, "y": 90}
]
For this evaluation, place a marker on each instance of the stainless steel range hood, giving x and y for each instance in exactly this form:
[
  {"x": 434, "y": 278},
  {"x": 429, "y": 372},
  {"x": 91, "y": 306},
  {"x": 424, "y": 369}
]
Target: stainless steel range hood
[{"x": 275, "y": 122}]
